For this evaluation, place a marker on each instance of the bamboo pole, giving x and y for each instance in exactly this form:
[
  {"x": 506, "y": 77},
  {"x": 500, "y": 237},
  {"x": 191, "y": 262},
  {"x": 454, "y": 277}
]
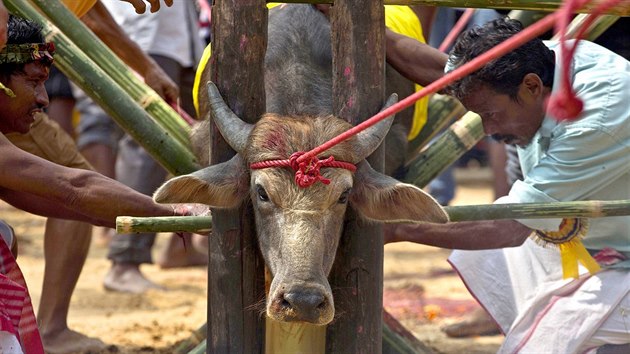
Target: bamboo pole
[
  {"x": 453, "y": 143},
  {"x": 127, "y": 224},
  {"x": 443, "y": 110},
  {"x": 586, "y": 209},
  {"x": 582, "y": 209},
  {"x": 537, "y": 5},
  {"x": 96, "y": 50},
  {"x": 197, "y": 337},
  {"x": 95, "y": 82}
]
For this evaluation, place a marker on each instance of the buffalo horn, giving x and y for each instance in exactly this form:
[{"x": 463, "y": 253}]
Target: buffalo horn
[
  {"x": 368, "y": 140},
  {"x": 233, "y": 129}
]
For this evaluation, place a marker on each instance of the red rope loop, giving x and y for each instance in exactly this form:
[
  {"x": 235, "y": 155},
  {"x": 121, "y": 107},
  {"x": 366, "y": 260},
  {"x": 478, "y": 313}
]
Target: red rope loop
[{"x": 307, "y": 172}]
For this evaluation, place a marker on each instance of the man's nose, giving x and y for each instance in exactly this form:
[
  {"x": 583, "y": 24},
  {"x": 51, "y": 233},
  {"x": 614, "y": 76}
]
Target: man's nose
[
  {"x": 41, "y": 96},
  {"x": 489, "y": 128}
]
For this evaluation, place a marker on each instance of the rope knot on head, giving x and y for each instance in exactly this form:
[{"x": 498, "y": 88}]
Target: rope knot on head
[{"x": 307, "y": 172}]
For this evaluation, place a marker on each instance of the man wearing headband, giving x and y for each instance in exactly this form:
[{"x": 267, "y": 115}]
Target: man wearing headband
[{"x": 38, "y": 186}]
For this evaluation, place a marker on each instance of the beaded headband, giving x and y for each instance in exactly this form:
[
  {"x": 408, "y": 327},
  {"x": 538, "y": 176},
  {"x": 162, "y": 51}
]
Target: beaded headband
[{"x": 27, "y": 52}]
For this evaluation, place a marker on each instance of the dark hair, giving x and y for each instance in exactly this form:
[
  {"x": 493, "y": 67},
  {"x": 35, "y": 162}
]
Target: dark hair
[
  {"x": 505, "y": 74},
  {"x": 20, "y": 31}
]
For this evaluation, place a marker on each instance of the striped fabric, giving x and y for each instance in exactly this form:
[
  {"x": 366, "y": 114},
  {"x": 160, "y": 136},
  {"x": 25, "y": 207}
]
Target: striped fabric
[{"x": 16, "y": 310}]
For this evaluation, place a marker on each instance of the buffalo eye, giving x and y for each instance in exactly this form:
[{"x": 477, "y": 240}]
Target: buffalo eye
[
  {"x": 262, "y": 193},
  {"x": 343, "y": 198}
]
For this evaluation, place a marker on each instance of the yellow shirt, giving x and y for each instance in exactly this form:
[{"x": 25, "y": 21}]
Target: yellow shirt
[
  {"x": 400, "y": 19},
  {"x": 79, "y": 7}
]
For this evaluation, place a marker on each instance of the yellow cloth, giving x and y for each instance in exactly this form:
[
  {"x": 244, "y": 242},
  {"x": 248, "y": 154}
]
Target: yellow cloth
[
  {"x": 400, "y": 19},
  {"x": 79, "y": 7}
]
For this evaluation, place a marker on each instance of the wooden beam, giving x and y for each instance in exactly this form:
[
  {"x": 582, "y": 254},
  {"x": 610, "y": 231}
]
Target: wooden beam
[
  {"x": 235, "y": 268},
  {"x": 535, "y": 5},
  {"x": 358, "y": 92}
]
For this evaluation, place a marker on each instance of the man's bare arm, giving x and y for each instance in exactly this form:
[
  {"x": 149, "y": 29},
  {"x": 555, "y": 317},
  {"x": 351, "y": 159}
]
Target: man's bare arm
[
  {"x": 417, "y": 61},
  {"x": 101, "y": 22},
  {"x": 84, "y": 192},
  {"x": 466, "y": 235}
]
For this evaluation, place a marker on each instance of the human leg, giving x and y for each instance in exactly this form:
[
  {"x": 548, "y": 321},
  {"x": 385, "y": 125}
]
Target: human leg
[
  {"x": 61, "y": 100},
  {"x": 97, "y": 139},
  {"x": 141, "y": 172},
  {"x": 66, "y": 244}
]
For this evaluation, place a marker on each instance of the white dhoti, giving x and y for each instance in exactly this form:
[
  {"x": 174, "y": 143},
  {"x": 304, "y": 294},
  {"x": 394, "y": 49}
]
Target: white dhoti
[{"x": 539, "y": 312}]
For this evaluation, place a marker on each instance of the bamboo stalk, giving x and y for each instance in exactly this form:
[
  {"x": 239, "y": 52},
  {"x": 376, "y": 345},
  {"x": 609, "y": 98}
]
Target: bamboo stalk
[
  {"x": 582, "y": 209},
  {"x": 586, "y": 209},
  {"x": 196, "y": 338},
  {"x": 127, "y": 224},
  {"x": 453, "y": 143},
  {"x": 537, "y": 5},
  {"x": 599, "y": 26},
  {"x": 96, "y": 50},
  {"x": 200, "y": 349},
  {"x": 443, "y": 110},
  {"x": 95, "y": 82}
]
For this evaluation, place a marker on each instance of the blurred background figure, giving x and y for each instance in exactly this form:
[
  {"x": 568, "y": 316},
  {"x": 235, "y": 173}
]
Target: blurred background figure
[{"x": 171, "y": 38}]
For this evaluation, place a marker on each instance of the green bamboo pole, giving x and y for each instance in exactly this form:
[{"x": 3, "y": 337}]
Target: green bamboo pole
[
  {"x": 443, "y": 110},
  {"x": 536, "y": 5},
  {"x": 96, "y": 50},
  {"x": 200, "y": 349},
  {"x": 171, "y": 154},
  {"x": 197, "y": 337},
  {"x": 128, "y": 224},
  {"x": 586, "y": 209},
  {"x": 453, "y": 143},
  {"x": 599, "y": 26}
]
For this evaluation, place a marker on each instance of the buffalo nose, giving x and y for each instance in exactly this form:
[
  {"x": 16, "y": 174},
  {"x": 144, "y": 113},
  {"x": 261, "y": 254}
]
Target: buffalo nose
[{"x": 305, "y": 305}]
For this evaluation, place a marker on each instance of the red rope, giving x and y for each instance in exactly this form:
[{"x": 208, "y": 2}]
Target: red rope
[
  {"x": 306, "y": 172},
  {"x": 459, "y": 26},
  {"x": 505, "y": 47},
  {"x": 565, "y": 105}
]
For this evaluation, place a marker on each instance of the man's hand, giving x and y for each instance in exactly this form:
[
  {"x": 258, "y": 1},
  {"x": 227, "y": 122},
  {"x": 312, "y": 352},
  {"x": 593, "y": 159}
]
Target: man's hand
[
  {"x": 157, "y": 79},
  {"x": 141, "y": 7},
  {"x": 4, "y": 21},
  {"x": 191, "y": 209}
]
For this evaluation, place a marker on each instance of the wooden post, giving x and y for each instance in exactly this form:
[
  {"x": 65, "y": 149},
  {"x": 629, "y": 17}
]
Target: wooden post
[
  {"x": 358, "y": 46},
  {"x": 235, "y": 270}
]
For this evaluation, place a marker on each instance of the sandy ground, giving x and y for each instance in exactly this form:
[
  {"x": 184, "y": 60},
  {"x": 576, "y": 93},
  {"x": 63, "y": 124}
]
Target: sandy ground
[{"x": 420, "y": 290}]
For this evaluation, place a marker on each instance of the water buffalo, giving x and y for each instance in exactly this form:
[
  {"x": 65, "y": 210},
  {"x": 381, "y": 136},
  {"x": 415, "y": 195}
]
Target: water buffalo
[{"x": 299, "y": 227}]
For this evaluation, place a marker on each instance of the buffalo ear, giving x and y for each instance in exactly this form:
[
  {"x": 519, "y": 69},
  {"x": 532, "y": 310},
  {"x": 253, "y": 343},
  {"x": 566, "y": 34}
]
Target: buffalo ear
[
  {"x": 383, "y": 198},
  {"x": 224, "y": 185}
]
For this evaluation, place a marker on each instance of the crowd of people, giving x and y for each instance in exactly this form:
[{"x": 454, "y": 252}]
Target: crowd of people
[{"x": 50, "y": 170}]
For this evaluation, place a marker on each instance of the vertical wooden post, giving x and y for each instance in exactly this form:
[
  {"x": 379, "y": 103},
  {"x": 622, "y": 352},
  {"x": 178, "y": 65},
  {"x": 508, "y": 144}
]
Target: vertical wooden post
[
  {"x": 235, "y": 270},
  {"x": 358, "y": 93}
]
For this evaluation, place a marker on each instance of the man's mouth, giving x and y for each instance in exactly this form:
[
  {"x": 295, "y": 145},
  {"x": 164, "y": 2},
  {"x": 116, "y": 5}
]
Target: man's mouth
[{"x": 506, "y": 139}]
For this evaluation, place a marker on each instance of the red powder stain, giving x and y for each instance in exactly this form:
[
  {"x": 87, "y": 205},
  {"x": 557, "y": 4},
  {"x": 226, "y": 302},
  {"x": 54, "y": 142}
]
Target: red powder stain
[
  {"x": 243, "y": 42},
  {"x": 350, "y": 102},
  {"x": 274, "y": 141},
  {"x": 360, "y": 329},
  {"x": 347, "y": 71},
  {"x": 413, "y": 303}
]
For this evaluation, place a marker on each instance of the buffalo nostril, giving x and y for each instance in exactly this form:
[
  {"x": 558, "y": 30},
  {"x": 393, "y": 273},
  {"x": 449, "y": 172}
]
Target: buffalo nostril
[{"x": 306, "y": 305}]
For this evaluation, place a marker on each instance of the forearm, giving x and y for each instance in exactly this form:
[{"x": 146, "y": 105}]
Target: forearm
[
  {"x": 105, "y": 198},
  {"x": 101, "y": 22},
  {"x": 467, "y": 235},
  {"x": 416, "y": 61},
  {"x": 45, "y": 207}
]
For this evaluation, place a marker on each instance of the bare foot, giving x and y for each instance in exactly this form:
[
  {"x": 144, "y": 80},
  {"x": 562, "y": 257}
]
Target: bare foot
[
  {"x": 127, "y": 278},
  {"x": 69, "y": 341},
  {"x": 478, "y": 323},
  {"x": 175, "y": 255}
]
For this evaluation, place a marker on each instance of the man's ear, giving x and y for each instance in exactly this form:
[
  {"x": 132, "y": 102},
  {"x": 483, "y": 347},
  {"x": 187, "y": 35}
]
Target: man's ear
[{"x": 532, "y": 84}]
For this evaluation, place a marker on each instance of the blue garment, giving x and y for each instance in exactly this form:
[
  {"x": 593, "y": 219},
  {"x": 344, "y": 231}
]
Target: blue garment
[{"x": 589, "y": 158}]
